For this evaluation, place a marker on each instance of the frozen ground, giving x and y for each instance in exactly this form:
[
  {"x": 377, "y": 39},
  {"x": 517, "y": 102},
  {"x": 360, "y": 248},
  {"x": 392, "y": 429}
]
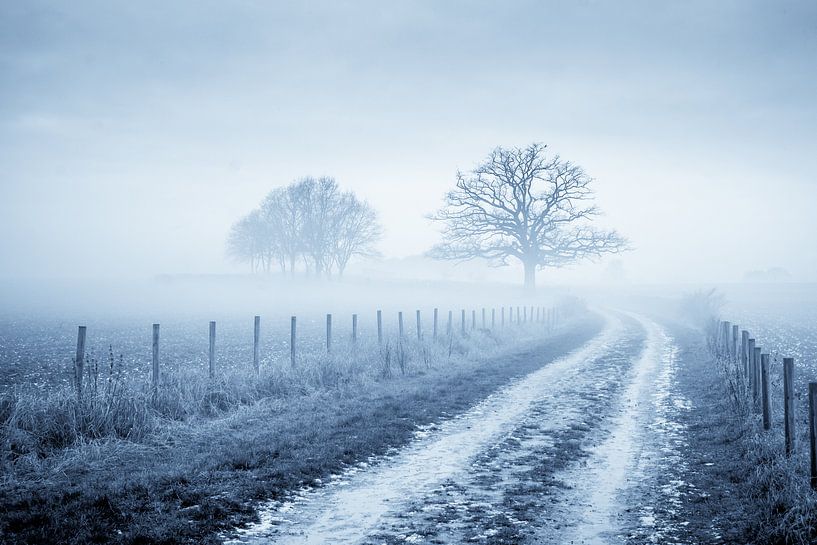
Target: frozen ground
[{"x": 585, "y": 450}]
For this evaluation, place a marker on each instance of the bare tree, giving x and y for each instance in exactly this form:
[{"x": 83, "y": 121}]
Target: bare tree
[
  {"x": 520, "y": 203},
  {"x": 248, "y": 241},
  {"x": 321, "y": 198},
  {"x": 355, "y": 231},
  {"x": 309, "y": 220},
  {"x": 283, "y": 211}
]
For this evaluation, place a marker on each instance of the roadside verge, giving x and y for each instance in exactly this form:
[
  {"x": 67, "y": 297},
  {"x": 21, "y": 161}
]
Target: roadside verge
[{"x": 198, "y": 481}]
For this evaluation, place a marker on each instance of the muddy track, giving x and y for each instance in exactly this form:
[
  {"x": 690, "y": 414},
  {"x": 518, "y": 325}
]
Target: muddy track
[{"x": 566, "y": 454}]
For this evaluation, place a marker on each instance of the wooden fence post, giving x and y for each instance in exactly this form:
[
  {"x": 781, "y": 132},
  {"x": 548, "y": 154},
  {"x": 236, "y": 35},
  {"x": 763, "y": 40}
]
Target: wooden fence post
[
  {"x": 788, "y": 403},
  {"x": 400, "y": 325},
  {"x": 462, "y": 320},
  {"x": 483, "y": 317},
  {"x": 721, "y": 338},
  {"x": 756, "y": 391},
  {"x": 79, "y": 362},
  {"x": 354, "y": 328},
  {"x": 292, "y": 338},
  {"x": 735, "y": 330},
  {"x": 155, "y": 361},
  {"x": 764, "y": 390},
  {"x": 812, "y": 425},
  {"x": 212, "y": 349},
  {"x": 750, "y": 347},
  {"x": 744, "y": 354},
  {"x": 380, "y": 327},
  {"x": 525, "y": 316},
  {"x": 328, "y": 333},
  {"x": 473, "y": 319},
  {"x": 419, "y": 327},
  {"x": 435, "y": 324},
  {"x": 450, "y": 329},
  {"x": 502, "y": 321},
  {"x": 493, "y": 318},
  {"x": 256, "y": 340}
]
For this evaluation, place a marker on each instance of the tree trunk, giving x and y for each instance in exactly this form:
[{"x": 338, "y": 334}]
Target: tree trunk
[{"x": 530, "y": 276}]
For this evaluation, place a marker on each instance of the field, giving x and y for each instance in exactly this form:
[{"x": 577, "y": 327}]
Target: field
[
  {"x": 491, "y": 435},
  {"x": 783, "y": 320},
  {"x": 40, "y": 352},
  {"x": 37, "y": 347},
  {"x": 62, "y": 456}
]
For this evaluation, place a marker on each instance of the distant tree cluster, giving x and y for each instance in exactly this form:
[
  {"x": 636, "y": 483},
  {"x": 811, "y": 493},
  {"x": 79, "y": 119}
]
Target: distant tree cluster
[{"x": 310, "y": 224}]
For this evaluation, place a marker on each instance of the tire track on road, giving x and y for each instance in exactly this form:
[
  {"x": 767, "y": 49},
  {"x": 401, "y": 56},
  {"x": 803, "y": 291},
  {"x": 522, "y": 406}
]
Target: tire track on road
[{"x": 605, "y": 499}]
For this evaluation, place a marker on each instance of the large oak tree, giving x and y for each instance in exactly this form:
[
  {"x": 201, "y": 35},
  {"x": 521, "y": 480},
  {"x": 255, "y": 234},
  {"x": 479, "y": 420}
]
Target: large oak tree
[{"x": 523, "y": 204}]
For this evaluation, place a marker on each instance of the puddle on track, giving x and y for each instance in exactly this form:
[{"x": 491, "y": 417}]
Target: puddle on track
[{"x": 353, "y": 505}]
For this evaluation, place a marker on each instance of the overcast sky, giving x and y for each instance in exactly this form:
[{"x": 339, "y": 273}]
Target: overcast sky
[{"x": 132, "y": 134}]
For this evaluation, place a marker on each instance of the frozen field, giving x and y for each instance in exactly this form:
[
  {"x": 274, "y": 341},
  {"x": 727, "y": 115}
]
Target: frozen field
[
  {"x": 40, "y": 352},
  {"x": 783, "y": 319}
]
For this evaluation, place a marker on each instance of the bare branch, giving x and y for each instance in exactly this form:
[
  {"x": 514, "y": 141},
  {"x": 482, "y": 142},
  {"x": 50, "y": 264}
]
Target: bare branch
[{"x": 523, "y": 204}]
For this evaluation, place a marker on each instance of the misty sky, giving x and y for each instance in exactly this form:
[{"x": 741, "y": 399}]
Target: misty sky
[{"x": 132, "y": 134}]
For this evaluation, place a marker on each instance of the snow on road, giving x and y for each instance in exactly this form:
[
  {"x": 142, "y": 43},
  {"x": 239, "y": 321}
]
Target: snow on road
[
  {"x": 640, "y": 436},
  {"x": 346, "y": 510},
  {"x": 546, "y": 459}
]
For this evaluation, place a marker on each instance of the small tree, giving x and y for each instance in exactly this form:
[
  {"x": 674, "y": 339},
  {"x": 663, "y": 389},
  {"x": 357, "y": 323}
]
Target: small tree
[
  {"x": 321, "y": 197},
  {"x": 283, "y": 212},
  {"x": 248, "y": 241},
  {"x": 521, "y": 204},
  {"x": 355, "y": 231}
]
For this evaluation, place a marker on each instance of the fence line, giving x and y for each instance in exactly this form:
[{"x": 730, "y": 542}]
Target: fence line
[
  {"x": 752, "y": 367},
  {"x": 155, "y": 380}
]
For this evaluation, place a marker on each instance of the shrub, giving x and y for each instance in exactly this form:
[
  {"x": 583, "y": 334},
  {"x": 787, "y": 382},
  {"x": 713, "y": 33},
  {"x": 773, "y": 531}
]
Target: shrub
[{"x": 700, "y": 308}]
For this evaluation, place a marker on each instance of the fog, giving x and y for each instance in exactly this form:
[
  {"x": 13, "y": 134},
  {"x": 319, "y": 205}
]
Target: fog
[
  {"x": 408, "y": 271},
  {"x": 132, "y": 136}
]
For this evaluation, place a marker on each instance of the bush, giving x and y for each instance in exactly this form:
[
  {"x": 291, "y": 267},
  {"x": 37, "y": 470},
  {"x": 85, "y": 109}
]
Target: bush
[{"x": 702, "y": 307}]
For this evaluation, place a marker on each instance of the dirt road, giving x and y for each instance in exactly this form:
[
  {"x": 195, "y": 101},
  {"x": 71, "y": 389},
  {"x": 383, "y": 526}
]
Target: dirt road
[{"x": 580, "y": 451}]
